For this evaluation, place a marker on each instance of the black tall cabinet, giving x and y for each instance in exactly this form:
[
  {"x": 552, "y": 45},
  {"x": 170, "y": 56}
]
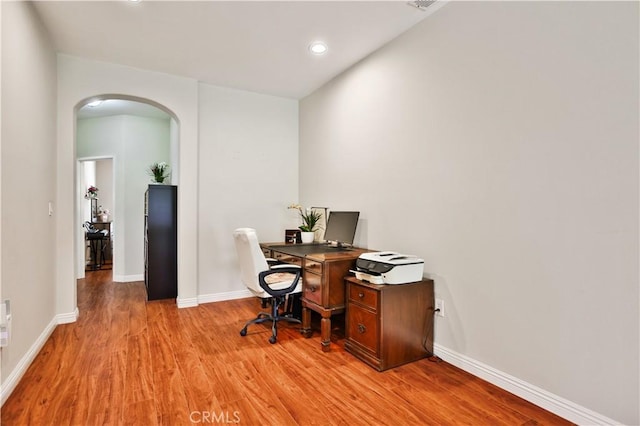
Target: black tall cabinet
[{"x": 161, "y": 241}]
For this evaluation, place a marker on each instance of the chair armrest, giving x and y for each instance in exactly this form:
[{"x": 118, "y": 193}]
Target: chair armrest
[{"x": 292, "y": 269}]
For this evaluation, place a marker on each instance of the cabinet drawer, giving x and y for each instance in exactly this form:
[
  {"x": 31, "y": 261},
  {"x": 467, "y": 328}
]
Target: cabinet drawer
[
  {"x": 293, "y": 260},
  {"x": 313, "y": 266},
  {"x": 362, "y": 327},
  {"x": 312, "y": 288},
  {"x": 266, "y": 252},
  {"x": 363, "y": 295}
]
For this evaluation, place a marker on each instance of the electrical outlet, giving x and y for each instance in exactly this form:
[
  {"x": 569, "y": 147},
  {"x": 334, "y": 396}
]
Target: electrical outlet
[{"x": 440, "y": 307}]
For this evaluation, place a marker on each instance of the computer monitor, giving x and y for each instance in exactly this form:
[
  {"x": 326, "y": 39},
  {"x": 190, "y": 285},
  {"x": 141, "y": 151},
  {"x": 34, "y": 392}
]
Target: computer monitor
[{"x": 341, "y": 227}]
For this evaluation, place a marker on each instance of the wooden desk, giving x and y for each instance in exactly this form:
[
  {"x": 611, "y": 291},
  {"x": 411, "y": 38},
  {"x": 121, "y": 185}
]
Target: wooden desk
[{"x": 323, "y": 288}]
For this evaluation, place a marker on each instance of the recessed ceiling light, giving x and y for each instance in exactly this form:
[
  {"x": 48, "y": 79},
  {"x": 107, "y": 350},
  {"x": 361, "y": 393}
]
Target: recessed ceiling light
[
  {"x": 94, "y": 103},
  {"x": 318, "y": 48}
]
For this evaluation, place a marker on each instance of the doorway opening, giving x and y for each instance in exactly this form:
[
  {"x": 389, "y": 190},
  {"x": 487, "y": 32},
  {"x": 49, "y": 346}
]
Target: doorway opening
[
  {"x": 97, "y": 205},
  {"x": 117, "y": 138}
]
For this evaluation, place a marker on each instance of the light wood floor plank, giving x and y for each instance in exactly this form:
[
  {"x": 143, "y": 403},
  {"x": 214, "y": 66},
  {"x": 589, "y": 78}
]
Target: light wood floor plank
[{"x": 139, "y": 370}]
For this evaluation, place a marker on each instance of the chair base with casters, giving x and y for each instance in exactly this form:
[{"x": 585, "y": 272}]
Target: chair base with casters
[{"x": 274, "y": 317}]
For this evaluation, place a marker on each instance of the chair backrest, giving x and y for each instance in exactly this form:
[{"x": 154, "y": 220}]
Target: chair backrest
[{"x": 250, "y": 256}]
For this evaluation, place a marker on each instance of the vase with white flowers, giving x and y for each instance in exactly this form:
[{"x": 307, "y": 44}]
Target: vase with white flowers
[
  {"x": 310, "y": 222},
  {"x": 159, "y": 172}
]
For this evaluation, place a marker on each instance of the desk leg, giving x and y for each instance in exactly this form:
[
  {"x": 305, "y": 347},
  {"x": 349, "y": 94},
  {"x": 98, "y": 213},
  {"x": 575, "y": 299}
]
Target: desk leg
[
  {"x": 305, "y": 330},
  {"x": 325, "y": 331}
]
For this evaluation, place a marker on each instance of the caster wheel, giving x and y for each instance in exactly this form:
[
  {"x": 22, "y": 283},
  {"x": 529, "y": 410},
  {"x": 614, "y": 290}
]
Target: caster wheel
[
  {"x": 272, "y": 339},
  {"x": 243, "y": 332}
]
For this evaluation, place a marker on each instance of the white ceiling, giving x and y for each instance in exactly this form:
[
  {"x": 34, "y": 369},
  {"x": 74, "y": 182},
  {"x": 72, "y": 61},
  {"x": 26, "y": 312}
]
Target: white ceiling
[{"x": 259, "y": 46}]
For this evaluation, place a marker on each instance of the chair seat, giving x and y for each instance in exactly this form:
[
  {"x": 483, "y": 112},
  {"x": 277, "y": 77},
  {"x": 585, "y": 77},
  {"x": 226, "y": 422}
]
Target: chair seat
[
  {"x": 279, "y": 280},
  {"x": 277, "y": 286}
]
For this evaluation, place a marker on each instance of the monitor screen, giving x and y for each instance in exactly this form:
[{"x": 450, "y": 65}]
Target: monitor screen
[{"x": 341, "y": 227}]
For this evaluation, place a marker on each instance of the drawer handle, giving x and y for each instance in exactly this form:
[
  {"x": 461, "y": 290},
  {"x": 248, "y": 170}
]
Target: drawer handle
[
  {"x": 361, "y": 295},
  {"x": 361, "y": 329}
]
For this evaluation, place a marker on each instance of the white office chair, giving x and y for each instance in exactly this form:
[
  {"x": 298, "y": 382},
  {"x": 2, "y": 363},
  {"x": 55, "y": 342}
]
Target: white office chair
[{"x": 275, "y": 283}]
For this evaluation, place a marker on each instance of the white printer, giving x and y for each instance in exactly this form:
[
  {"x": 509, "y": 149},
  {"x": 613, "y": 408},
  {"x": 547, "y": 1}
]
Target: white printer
[{"x": 388, "y": 267}]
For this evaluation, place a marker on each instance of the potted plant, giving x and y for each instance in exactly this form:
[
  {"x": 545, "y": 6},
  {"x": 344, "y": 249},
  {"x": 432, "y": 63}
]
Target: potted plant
[
  {"x": 159, "y": 172},
  {"x": 310, "y": 222}
]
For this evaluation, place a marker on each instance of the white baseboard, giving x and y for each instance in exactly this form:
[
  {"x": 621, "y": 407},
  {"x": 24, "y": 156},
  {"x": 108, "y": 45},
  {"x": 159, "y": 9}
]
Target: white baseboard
[
  {"x": 219, "y": 297},
  {"x": 540, "y": 397},
  {"x": 128, "y": 278},
  {"x": 67, "y": 318},
  {"x": 215, "y": 297},
  {"x": 187, "y": 302}
]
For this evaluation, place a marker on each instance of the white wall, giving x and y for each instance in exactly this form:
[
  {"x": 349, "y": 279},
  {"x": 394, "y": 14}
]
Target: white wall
[
  {"x": 28, "y": 179},
  {"x": 248, "y": 175},
  {"x": 80, "y": 79},
  {"x": 499, "y": 141},
  {"x": 134, "y": 143},
  {"x": 87, "y": 174},
  {"x": 104, "y": 182},
  {"x": 174, "y": 137}
]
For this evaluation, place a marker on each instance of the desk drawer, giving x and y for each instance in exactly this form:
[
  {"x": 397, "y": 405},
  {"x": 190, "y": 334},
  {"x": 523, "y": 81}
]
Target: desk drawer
[
  {"x": 286, "y": 258},
  {"x": 266, "y": 251},
  {"x": 312, "y": 288},
  {"x": 313, "y": 266},
  {"x": 363, "y": 295},
  {"x": 362, "y": 327}
]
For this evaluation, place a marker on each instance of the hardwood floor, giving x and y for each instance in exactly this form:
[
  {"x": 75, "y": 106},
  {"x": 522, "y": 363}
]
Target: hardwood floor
[{"x": 126, "y": 361}]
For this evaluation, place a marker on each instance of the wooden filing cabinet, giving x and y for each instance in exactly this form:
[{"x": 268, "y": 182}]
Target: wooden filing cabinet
[{"x": 389, "y": 325}]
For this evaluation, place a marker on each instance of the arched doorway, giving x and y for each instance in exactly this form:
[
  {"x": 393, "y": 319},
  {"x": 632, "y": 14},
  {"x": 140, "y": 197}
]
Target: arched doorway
[{"x": 133, "y": 132}]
